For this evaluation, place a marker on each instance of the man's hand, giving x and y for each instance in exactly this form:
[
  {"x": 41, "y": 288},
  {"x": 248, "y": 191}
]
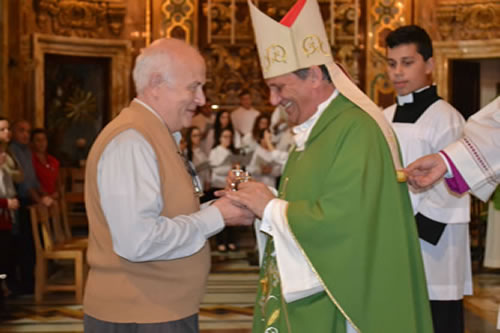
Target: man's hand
[
  {"x": 426, "y": 171},
  {"x": 13, "y": 204},
  {"x": 253, "y": 195},
  {"x": 233, "y": 214}
]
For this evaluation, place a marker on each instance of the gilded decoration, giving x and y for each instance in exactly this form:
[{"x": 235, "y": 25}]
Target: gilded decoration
[
  {"x": 175, "y": 18},
  {"x": 81, "y": 18},
  {"x": 478, "y": 20},
  {"x": 231, "y": 69},
  {"x": 226, "y": 36},
  {"x": 383, "y": 16}
]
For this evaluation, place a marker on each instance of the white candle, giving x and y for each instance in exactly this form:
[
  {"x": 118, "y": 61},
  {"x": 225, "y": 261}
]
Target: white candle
[
  {"x": 356, "y": 22},
  {"x": 332, "y": 22},
  {"x": 233, "y": 21},
  {"x": 209, "y": 21}
]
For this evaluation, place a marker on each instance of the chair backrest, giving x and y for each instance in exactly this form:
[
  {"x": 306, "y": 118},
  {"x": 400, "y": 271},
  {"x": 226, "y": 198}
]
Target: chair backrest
[
  {"x": 63, "y": 208},
  {"x": 47, "y": 222},
  {"x": 77, "y": 179},
  {"x": 42, "y": 233}
]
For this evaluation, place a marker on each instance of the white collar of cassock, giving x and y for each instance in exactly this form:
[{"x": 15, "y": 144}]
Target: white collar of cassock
[
  {"x": 408, "y": 99},
  {"x": 302, "y": 131},
  {"x": 177, "y": 135}
]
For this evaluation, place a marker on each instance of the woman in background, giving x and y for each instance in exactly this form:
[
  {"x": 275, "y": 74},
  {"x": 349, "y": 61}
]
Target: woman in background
[
  {"x": 221, "y": 161},
  {"x": 9, "y": 169},
  {"x": 267, "y": 162},
  {"x": 222, "y": 122},
  {"x": 250, "y": 141},
  {"x": 197, "y": 156}
]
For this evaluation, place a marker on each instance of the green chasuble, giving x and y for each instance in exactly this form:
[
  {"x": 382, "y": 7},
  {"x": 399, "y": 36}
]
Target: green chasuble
[
  {"x": 354, "y": 223},
  {"x": 496, "y": 198}
]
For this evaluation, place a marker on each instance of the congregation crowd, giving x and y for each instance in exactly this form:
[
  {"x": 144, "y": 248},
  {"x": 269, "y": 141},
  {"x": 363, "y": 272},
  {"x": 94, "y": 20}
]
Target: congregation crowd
[
  {"x": 28, "y": 175},
  {"x": 244, "y": 138}
]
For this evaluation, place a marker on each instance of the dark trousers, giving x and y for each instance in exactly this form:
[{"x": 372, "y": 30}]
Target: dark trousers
[
  {"x": 448, "y": 316},
  {"x": 6, "y": 266},
  {"x": 185, "y": 325},
  {"x": 24, "y": 254}
]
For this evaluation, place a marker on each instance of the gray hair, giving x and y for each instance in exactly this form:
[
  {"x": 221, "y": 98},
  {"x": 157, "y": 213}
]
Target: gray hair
[
  {"x": 159, "y": 58},
  {"x": 152, "y": 60}
]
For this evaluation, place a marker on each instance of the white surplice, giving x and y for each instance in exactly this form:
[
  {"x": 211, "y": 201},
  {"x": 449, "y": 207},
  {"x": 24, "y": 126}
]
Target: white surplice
[
  {"x": 447, "y": 264},
  {"x": 477, "y": 154}
]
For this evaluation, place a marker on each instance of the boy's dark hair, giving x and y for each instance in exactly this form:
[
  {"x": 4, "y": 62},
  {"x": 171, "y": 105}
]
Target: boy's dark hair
[
  {"x": 411, "y": 34},
  {"x": 37, "y": 131}
]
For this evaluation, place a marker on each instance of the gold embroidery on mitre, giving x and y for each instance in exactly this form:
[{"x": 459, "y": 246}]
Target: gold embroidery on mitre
[
  {"x": 312, "y": 44},
  {"x": 274, "y": 53}
]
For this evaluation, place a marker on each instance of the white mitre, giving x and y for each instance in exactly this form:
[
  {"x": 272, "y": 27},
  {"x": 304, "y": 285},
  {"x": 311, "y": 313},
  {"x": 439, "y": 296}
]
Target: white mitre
[{"x": 298, "y": 41}]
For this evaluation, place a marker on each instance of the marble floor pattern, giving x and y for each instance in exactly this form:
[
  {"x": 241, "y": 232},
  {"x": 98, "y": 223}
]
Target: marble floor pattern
[{"x": 228, "y": 305}]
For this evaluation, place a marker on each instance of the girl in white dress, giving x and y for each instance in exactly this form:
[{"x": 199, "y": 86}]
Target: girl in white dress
[
  {"x": 222, "y": 122},
  {"x": 267, "y": 162},
  {"x": 197, "y": 156},
  {"x": 250, "y": 141},
  {"x": 221, "y": 160}
]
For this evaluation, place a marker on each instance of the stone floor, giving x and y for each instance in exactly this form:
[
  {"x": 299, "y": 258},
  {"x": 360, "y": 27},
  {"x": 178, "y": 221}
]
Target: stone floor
[{"x": 228, "y": 304}]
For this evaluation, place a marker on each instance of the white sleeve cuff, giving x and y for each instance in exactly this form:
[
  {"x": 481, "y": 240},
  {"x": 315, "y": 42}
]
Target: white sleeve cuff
[
  {"x": 449, "y": 173},
  {"x": 297, "y": 277},
  {"x": 211, "y": 220}
]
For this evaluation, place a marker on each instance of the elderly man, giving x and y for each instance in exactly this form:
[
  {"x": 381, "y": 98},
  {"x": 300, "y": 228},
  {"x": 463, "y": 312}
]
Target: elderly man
[
  {"x": 148, "y": 252},
  {"x": 342, "y": 253}
]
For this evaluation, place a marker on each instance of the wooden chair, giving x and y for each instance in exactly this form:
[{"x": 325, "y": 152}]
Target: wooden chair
[
  {"x": 64, "y": 229},
  {"x": 47, "y": 248},
  {"x": 72, "y": 194}
]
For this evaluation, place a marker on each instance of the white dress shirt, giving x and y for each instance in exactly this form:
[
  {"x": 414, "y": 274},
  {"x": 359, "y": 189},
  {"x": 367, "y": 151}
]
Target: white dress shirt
[
  {"x": 130, "y": 194},
  {"x": 243, "y": 119},
  {"x": 221, "y": 162}
]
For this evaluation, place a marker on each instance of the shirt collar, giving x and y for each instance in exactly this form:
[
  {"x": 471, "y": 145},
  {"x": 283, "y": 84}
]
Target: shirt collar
[
  {"x": 177, "y": 135},
  {"x": 149, "y": 108},
  {"x": 302, "y": 131},
  {"x": 407, "y": 99}
]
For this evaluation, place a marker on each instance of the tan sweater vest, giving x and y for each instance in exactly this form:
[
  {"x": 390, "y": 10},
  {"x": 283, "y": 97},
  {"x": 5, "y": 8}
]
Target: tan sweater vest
[{"x": 122, "y": 291}]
